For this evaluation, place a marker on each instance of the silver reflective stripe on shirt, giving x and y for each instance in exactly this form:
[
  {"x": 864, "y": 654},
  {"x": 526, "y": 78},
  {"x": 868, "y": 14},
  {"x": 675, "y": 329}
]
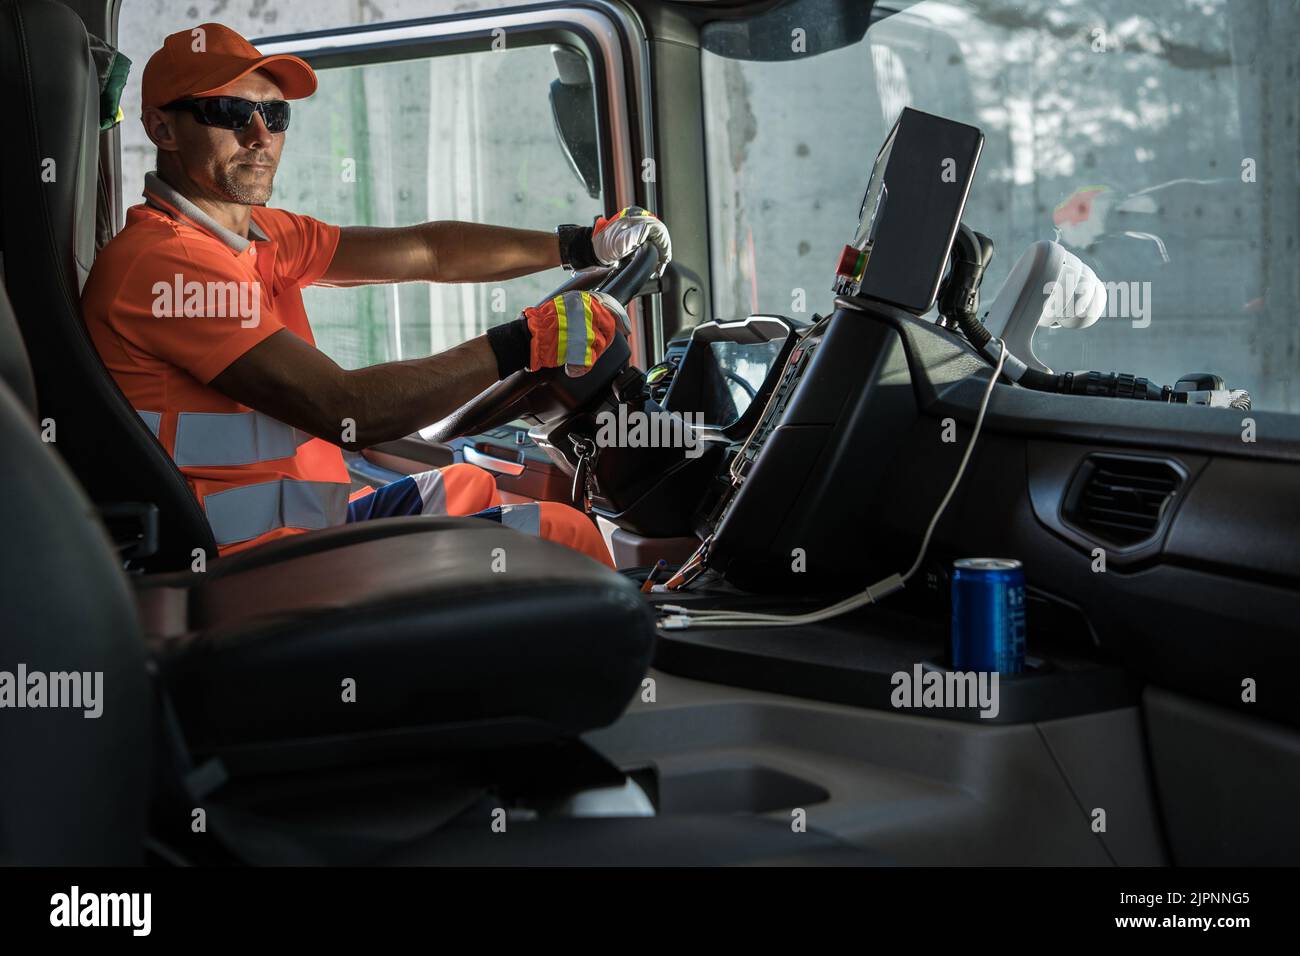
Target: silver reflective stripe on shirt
[
  {"x": 222, "y": 439},
  {"x": 209, "y": 439},
  {"x": 247, "y": 512},
  {"x": 152, "y": 419}
]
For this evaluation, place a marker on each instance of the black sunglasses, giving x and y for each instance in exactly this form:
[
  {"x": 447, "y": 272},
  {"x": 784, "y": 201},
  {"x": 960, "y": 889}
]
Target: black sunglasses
[{"x": 232, "y": 112}]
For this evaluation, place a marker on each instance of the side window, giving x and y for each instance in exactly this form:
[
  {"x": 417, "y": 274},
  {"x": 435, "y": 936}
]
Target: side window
[{"x": 464, "y": 135}]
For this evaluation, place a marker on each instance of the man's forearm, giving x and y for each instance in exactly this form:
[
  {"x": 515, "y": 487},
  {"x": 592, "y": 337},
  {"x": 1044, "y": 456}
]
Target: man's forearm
[
  {"x": 393, "y": 400},
  {"x": 469, "y": 252},
  {"x": 294, "y": 382}
]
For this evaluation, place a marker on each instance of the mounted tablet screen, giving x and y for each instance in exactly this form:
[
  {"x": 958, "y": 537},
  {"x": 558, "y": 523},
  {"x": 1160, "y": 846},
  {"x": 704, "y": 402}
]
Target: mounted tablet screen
[{"x": 912, "y": 207}]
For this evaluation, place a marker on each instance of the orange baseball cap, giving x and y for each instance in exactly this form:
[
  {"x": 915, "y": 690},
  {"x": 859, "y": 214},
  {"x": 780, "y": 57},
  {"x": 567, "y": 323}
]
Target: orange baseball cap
[{"x": 200, "y": 61}]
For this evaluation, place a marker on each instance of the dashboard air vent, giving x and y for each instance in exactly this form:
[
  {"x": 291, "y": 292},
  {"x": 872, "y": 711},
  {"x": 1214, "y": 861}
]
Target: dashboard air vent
[{"x": 1121, "y": 500}]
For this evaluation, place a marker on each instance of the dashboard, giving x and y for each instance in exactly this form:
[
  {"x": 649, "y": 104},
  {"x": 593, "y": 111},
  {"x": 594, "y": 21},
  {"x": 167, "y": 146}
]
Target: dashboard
[{"x": 848, "y": 460}]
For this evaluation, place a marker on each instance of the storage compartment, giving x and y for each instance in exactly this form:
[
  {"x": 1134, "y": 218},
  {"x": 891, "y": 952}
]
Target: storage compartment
[
  {"x": 740, "y": 789},
  {"x": 925, "y": 792}
]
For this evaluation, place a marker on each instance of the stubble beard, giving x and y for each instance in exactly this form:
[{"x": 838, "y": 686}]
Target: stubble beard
[{"x": 244, "y": 193}]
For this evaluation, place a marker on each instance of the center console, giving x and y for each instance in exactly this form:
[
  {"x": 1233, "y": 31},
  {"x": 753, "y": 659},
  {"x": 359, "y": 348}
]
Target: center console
[
  {"x": 798, "y": 510},
  {"x": 831, "y": 491}
]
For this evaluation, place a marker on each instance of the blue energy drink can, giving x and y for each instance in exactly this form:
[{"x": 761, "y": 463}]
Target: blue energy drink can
[{"x": 988, "y": 615}]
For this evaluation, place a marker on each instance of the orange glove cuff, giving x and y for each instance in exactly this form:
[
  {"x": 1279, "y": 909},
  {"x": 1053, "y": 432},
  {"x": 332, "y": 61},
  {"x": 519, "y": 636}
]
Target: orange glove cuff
[{"x": 570, "y": 329}]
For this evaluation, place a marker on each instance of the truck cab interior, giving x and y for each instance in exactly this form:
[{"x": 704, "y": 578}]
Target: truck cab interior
[{"x": 834, "y": 438}]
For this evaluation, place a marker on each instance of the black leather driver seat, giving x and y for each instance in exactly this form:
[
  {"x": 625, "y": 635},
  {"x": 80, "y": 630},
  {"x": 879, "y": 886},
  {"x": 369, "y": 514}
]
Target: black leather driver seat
[
  {"x": 435, "y": 644},
  {"x": 49, "y": 187}
]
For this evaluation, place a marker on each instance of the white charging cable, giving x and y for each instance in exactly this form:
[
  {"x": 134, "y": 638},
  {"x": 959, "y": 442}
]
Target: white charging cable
[{"x": 675, "y": 617}]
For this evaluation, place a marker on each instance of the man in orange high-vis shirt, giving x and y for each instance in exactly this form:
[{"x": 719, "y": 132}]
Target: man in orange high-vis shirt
[{"x": 195, "y": 308}]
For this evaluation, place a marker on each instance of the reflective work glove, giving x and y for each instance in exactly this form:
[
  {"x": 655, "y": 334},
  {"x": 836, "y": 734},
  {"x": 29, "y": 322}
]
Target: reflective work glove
[
  {"x": 573, "y": 330},
  {"x": 609, "y": 240}
]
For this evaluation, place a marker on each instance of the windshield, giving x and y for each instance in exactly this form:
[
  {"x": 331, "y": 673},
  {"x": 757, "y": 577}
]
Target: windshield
[{"x": 1154, "y": 139}]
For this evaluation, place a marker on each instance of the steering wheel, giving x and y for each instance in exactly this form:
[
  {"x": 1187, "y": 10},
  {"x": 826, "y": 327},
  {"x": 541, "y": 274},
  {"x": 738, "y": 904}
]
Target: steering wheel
[
  {"x": 549, "y": 393},
  {"x": 748, "y": 389}
]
